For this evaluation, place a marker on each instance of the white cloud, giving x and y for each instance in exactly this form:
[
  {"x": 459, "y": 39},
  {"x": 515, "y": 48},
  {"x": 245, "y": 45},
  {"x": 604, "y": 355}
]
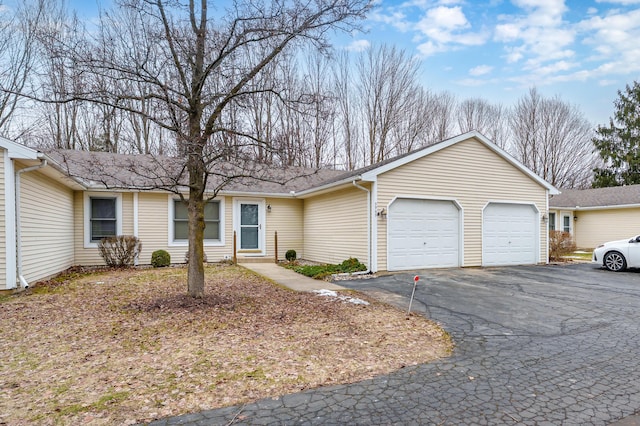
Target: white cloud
[
  {"x": 480, "y": 70},
  {"x": 514, "y": 54},
  {"x": 622, "y": 2},
  {"x": 507, "y": 32},
  {"x": 614, "y": 39},
  {"x": 429, "y": 48},
  {"x": 446, "y": 28},
  {"x": 396, "y": 19},
  {"x": 554, "y": 68},
  {"x": 359, "y": 45},
  {"x": 440, "y": 23},
  {"x": 538, "y": 35},
  {"x": 543, "y": 13}
]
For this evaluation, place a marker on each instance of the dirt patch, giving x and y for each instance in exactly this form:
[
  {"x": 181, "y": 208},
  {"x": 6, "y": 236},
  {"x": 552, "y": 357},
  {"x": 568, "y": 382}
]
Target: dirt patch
[{"x": 121, "y": 347}]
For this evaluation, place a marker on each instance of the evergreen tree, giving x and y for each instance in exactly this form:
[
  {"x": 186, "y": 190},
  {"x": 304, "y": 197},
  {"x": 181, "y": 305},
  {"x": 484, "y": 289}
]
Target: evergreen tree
[{"x": 619, "y": 143}]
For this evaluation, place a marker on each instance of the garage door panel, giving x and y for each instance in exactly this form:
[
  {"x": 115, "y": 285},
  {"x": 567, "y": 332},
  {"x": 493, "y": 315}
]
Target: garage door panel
[
  {"x": 423, "y": 234},
  {"x": 510, "y": 234}
]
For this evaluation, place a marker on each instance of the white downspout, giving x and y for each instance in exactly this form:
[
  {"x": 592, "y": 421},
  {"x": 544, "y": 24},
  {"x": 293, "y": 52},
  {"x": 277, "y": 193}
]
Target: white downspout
[
  {"x": 368, "y": 222},
  {"x": 23, "y": 282}
]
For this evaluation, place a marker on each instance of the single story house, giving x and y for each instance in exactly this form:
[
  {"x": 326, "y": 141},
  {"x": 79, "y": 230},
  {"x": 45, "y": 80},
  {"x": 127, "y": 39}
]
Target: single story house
[
  {"x": 461, "y": 202},
  {"x": 594, "y": 216}
]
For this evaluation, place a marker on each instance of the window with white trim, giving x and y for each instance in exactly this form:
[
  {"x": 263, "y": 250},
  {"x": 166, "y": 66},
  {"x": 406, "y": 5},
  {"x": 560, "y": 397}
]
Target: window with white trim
[
  {"x": 212, "y": 221},
  {"x": 552, "y": 221},
  {"x": 103, "y": 220},
  {"x": 566, "y": 223}
]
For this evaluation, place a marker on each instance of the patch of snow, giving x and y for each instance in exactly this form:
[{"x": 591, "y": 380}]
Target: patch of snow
[
  {"x": 331, "y": 293},
  {"x": 357, "y": 301},
  {"x": 325, "y": 292}
]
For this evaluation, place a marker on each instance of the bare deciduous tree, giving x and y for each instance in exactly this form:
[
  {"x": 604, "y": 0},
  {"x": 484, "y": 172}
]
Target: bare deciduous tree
[
  {"x": 18, "y": 44},
  {"x": 320, "y": 111},
  {"x": 553, "y": 139},
  {"x": 387, "y": 83},
  {"x": 490, "y": 120},
  {"x": 187, "y": 59},
  {"x": 346, "y": 120},
  {"x": 441, "y": 116}
]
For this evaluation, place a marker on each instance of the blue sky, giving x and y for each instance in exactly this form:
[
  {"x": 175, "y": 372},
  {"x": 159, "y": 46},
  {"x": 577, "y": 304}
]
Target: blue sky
[{"x": 581, "y": 50}]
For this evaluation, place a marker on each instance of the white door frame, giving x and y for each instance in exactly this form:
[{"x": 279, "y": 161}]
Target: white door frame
[{"x": 260, "y": 202}]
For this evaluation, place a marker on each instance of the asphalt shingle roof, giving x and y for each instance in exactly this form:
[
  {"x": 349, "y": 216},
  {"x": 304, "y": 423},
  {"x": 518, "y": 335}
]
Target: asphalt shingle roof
[
  {"x": 98, "y": 169},
  {"x": 597, "y": 197},
  {"x": 158, "y": 172}
]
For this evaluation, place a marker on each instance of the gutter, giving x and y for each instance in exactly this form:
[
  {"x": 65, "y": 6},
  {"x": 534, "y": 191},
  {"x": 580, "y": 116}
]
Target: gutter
[
  {"x": 330, "y": 185},
  {"x": 368, "y": 222},
  {"x": 21, "y": 279}
]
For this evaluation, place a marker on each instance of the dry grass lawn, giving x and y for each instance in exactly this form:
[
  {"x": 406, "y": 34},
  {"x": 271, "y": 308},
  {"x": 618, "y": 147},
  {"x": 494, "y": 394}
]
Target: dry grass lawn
[{"x": 120, "y": 347}]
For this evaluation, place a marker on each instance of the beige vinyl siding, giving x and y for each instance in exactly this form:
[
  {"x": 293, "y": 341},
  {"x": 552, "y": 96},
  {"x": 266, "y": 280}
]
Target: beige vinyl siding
[
  {"x": 335, "y": 226},
  {"x": 3, "y": 244},
  {"x": 127, "y": 213},
  {"x": 153, "y": 227},
  {"x": 153, "y": 230},
  {"x": 594, "y": 227},
  {"x": 88, "y": 256},
  {"x": 46, "y": 221},
  {"x": 470, "y": 173},
  {"x": 286, "y": 218}
]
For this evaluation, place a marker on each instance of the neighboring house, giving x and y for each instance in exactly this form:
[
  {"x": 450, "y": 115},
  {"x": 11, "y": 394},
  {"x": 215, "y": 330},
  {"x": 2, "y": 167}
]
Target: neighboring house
[
  {"x": 597, "y": 215},
  {"x": 461, "y": 202}
]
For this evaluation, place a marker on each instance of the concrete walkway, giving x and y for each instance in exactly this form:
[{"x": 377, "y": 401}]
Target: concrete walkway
[{"x": 287, "y": 278}]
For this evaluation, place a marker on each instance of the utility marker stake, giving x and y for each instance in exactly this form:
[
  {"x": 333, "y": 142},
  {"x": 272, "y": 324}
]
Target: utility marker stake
[{"x": 415, "y": 283}]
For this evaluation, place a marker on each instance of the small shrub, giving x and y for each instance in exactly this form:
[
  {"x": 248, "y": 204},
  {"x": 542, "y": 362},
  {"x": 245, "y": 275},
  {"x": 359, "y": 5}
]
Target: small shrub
[
  {"x": 560, "y": 244},
  {"x": 291, "y": 255},
  {"x": 323, "y": 271},
  {"x": 352, "y": 265},
  {"x": 160, "y": 258},
  {"x": 119, "y": 251}
]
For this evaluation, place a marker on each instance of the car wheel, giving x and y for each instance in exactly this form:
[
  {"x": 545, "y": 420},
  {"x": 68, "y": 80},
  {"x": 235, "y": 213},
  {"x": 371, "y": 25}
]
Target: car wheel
[{"x": 614, "y": 261}]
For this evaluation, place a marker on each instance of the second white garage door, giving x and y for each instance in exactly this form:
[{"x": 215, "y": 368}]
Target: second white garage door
[
  {"x": 509, "y": 234},
  {"x": 423, "y": 234}
]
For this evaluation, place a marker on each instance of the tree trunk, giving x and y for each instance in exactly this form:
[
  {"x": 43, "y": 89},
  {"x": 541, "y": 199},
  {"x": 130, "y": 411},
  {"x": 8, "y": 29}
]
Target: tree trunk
[{"x": 195, "y": 276}]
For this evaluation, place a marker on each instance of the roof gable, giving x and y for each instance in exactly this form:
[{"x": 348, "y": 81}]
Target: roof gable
[{"x": 423, "y": 152}]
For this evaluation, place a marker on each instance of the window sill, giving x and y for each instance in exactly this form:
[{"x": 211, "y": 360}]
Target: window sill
[{"x": 185, "y": 243}]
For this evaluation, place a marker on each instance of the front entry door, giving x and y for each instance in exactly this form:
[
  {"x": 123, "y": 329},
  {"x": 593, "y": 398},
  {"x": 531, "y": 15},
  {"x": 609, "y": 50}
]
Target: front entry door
[{"x": 250, "y": 226}]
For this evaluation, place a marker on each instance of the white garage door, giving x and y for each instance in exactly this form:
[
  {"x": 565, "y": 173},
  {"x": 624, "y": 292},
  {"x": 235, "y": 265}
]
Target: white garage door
[
  {"x": 509, "y": 234},
  {"x": 423, "y": 234}
]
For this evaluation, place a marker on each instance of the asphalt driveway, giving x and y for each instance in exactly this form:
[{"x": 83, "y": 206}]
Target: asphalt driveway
[{"x": 534, "y": 345}]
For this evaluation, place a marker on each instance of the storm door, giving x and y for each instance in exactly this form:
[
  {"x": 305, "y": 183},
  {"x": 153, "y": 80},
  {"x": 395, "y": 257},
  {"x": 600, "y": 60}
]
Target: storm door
[{"x": 250, "y": 226}]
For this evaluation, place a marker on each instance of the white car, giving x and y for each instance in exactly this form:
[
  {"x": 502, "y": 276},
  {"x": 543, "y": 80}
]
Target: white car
[{"x": 618, "y": 255}]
